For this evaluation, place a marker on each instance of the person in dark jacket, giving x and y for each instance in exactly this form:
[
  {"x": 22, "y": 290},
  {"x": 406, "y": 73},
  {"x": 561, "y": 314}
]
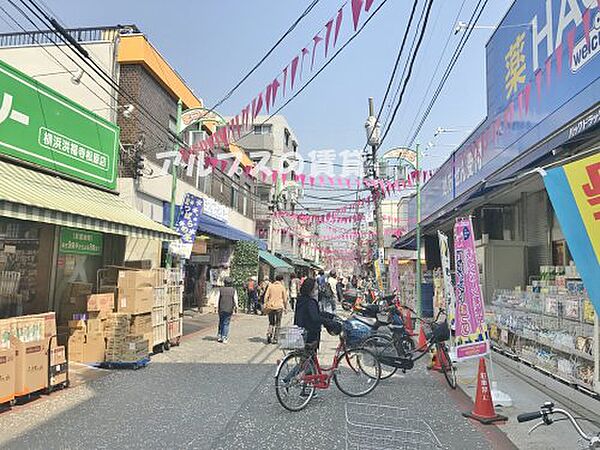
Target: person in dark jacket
[
  {"x": 228, "y": 304},
  {"x": 308, "y": 314}
]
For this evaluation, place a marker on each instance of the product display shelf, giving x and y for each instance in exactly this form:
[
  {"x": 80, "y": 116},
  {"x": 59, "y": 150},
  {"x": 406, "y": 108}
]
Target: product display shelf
[{"x": 552, "y": 345}]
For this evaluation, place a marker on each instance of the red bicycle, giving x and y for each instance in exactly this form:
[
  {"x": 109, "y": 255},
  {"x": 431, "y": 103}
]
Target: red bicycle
[{"x": 355, "y": 371}]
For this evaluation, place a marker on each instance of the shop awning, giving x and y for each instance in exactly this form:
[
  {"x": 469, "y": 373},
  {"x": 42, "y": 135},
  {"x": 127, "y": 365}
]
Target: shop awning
[
  {"x": 274, "y": 261},
  {"x": 294, "y": 260},
  {"x": 217, "y": 228},
  {"x": 26, "y": 194}
]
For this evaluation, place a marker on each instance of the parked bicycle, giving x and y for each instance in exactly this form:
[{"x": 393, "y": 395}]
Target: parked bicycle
[
  {"x": 354, "y": 370},
  {"x": 546, "y": 412},
  {"x": 394, "y": 353},
  {"x": 385, "y": 330}
]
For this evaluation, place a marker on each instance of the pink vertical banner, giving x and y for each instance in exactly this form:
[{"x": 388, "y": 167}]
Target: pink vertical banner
[{"x": 472, "y": 336}]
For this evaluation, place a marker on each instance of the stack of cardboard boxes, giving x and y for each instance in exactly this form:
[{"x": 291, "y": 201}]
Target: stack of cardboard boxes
[
  {"x": 24, "y": 345},
  {"x": 122, "y": 345},
  {"x": 86, "y": 334}
]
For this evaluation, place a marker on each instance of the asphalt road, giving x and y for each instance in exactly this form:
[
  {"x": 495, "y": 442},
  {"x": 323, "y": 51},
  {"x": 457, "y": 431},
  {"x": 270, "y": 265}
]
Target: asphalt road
[{"x": 207, "y": 395}]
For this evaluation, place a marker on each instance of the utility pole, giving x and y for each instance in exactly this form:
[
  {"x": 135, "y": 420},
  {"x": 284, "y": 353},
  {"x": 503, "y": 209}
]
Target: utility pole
[
  {"x": 174, "y": 179},
  {"x": 418, "y": 232},
  {"x": 373, "y": 137}
]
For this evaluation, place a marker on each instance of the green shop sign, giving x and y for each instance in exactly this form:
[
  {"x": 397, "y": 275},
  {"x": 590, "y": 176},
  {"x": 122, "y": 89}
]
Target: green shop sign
[
  {"x": 79, "y": 242},
  {"x": 40, "y": 126}
]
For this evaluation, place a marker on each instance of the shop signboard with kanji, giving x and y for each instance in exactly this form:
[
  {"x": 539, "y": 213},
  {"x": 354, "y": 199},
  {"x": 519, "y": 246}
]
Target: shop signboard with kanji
[
  {"x": 542, "y": 76},
  {"x": 574, "y": 190},
  {"x": 80, "y": 242},
  {"x": 472, "y": 336},
  {"x": 40, "y": 126}
]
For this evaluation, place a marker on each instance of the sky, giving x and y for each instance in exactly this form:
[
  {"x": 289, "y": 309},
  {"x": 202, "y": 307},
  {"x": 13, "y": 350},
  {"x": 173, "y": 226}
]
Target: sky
[{"x": 213, "y": 44}]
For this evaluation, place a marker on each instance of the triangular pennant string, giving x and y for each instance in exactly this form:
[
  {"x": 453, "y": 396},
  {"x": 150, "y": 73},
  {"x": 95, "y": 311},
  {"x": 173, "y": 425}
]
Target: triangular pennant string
[
  {"x": 285, "y": 71},
  {"x": 356, "y": 10},
  {"x": 328, "y": 26},
  {"x": 294, "y": 70},
  {"x": 316, "y": 40},
  {"x": 586, "y": 24},
  {"x": 304, "y": 53},
  {"x": 338, "y": 24}
]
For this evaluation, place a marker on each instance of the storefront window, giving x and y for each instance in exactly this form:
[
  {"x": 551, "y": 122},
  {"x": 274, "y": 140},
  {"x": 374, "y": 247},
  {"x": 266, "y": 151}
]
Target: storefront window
[{"x": 25, "y": 255}]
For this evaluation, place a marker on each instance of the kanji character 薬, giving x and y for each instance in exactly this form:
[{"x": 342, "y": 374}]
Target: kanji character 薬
[{"x": 515, "y": 65}]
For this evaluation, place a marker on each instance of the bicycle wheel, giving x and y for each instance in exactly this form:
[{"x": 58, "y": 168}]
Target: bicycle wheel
[
  {"x": 292, "y": 391},
  {"x": 448, "y": 369},
  {"x": 358, "y": 372},
  {"x": 382, "y": 345}
]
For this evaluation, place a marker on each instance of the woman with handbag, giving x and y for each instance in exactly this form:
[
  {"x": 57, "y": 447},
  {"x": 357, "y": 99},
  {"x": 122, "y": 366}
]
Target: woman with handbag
[{"x": 276, "y": 302}]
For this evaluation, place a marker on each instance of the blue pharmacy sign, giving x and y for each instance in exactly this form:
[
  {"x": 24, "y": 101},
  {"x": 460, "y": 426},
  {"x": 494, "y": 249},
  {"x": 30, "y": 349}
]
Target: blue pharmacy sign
[{"x": 543, "y": 76}]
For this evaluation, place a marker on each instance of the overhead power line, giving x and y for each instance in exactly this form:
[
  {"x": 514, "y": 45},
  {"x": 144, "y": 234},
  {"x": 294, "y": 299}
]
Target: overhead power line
[
  {"x": 409, "y": 72},
  {"x": 470, "y": 26}
]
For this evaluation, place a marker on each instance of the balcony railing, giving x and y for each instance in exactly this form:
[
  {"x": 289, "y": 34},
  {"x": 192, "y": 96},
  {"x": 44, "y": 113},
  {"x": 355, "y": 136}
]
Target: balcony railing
[{"x": 82, "y": 35}]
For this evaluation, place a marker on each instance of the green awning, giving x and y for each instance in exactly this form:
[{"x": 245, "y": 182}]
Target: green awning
[
  {"x": 274, "y": 261},
  {"x": 26, "y": 194},
  {"x": 294, "y": 260}
]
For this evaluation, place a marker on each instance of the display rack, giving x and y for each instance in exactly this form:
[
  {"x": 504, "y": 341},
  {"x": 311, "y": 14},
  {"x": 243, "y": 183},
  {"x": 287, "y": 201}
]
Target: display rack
[{"x": 551, "y": 331}]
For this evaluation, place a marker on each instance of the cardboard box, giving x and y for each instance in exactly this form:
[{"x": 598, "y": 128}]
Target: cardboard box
[
  {"x": 135, "y": 301},
  {"x": 94, "y": 348},
  {"x": 134, "y": 279},
  {"x": 77, "y": 325},
  {"x": 141, "y": 324},
  {"x": 95, "y": 326},
  {"x": 7, "y": 375},
  {"x": 6, "y": 326},
  {"x": 58, "y": 355},
  {"x": 101, "y": 302},
  {"x": 31, "y": 366}
]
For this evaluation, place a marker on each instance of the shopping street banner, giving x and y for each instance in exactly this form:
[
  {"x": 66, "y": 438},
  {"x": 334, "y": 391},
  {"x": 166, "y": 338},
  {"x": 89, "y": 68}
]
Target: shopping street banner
[
  {"x": 187, "y": 225},
  {"x": 448, "y": 288},
  {"x": 574, "y": 190},
  {"x": 472, "y": 337}
]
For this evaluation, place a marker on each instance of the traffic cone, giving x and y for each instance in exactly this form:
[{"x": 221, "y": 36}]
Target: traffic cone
[
  {"x": 422, "y": 343},
  {"x": 436, "y": 363},
  {"x": 484, "y": 410},
  {"x": 408, "y": 323}
]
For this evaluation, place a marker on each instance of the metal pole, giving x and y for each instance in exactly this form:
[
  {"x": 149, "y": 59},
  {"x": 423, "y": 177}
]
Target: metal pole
[
  {"x": 174, "y": 179},
  {"x": 377, "y": 197},
  {"x": 418, "y": 231}
]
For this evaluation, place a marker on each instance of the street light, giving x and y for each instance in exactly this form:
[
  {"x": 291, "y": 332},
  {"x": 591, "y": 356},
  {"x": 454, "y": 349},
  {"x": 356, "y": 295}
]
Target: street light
[{"x": 463, "y": 26}]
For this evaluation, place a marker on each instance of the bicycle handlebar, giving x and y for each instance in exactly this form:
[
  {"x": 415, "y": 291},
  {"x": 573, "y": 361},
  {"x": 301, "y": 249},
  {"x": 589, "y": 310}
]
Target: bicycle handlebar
[
  {"x": 545, "y": 413},
  {"x": 526, "y": 417}
]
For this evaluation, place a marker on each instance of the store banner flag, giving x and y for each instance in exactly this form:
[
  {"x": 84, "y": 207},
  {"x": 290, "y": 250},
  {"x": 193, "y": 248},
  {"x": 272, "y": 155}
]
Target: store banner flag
[
  {"x": 574, "y": 190},
  {"x": 187, "y": 225},
  {"x": 472, "y": 337},
  {"x": 448, "y": 288}
]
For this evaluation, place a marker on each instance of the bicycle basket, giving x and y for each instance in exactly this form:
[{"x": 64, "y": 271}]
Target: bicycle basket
[
  {"x": 355, "y": 331},
  {"x": 440, "y": 331},
  {"x": 370, "y": 427},
  {"x": 291, "y": 338}
]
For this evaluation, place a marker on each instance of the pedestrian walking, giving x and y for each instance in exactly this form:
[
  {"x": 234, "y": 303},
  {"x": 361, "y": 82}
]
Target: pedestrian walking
[
  {"x": 276, "y": 302},
  {"x": 294, "y": 290},
  {"x": 252, "y": 290},
  {"x": 228, "y": 304},
  {"x": 321, "y": 279}
]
